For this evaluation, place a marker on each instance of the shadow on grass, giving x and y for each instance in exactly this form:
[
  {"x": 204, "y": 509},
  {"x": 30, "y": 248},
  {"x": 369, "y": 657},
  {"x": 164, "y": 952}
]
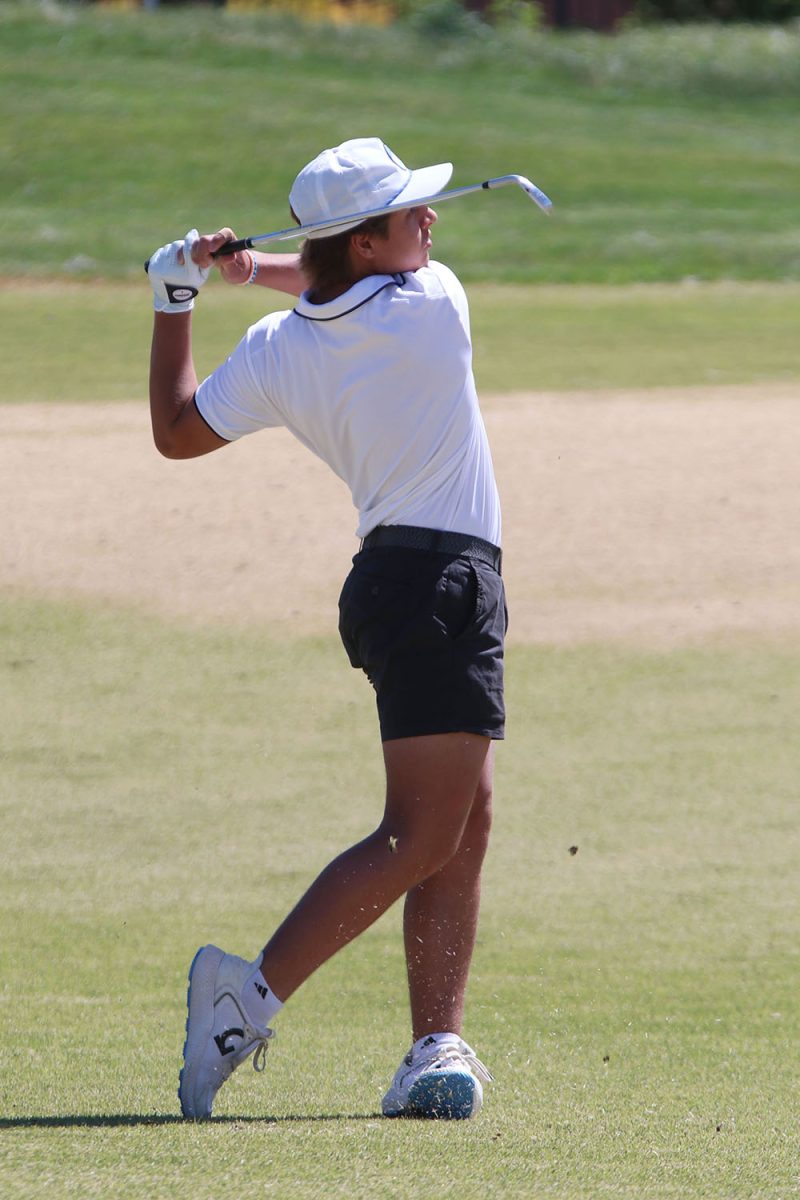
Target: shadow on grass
[{"x": 128, "y": 1120}]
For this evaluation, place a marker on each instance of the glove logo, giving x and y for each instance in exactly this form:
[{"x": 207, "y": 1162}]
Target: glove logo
[{"x": 179, "y": 292}]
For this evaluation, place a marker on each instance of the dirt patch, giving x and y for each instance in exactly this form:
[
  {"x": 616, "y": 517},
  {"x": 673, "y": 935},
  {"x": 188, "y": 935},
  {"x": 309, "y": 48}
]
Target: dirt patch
[{"x": 657, "y": 517}]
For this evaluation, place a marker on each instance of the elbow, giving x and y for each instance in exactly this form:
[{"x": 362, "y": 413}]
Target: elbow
[
  {"x": 166, "y": 444},
  {"x": 169, "y": 434},
  {"x": 170, "y": 420},
  {"x": 175, "y": 451},
  {"x": 181, "y": 435},
  {"x": 171, "y": 444},
  {"x": 181, "y": 441}
]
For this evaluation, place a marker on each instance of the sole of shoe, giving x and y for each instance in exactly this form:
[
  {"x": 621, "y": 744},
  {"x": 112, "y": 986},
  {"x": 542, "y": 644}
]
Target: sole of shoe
[
  {"x": 199, "y": 1025},
  {"x": 454, "y": 1096}
]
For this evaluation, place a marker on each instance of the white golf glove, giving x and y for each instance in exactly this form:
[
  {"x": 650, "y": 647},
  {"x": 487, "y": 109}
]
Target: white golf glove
[{"x": 175, "y": 283}]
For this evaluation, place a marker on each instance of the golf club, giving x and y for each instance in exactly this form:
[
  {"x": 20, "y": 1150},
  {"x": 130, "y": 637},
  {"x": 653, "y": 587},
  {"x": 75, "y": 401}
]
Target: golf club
[{"x": 296, "y": 231}]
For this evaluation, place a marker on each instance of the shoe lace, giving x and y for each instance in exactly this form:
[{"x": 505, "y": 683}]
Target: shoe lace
[
  {"x": 262, "y": 1037},
  {"x": 464, "y": 1054}
]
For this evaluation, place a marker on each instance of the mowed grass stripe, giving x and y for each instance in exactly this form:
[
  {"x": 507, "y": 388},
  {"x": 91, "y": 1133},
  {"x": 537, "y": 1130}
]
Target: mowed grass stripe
[
  {"x": 654, "y": 176},
  {"x": 74, "y": 343}
]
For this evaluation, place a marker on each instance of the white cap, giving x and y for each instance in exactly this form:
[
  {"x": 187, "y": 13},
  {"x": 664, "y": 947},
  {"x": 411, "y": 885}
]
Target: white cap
[{"x": 358, "y": 176}]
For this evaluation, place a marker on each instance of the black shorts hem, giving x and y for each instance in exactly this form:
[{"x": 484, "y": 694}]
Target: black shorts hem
[{"x": 395, "y": 735}]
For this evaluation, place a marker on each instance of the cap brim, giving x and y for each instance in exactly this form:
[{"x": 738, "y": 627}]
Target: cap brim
[{"x": 423, "y": 185}]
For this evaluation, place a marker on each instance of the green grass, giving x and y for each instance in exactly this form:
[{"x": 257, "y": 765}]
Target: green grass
[
  {"x": 160, "y": 787},
  {"x": 666, "y": 157},
  {"x": 636, "y": 1000},
  {"x": 97, "y": 336}
]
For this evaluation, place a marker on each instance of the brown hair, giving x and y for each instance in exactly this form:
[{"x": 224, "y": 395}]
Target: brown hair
[{"x": 324, "y": 261}]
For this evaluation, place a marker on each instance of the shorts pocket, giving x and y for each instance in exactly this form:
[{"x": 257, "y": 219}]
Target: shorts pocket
[
  {"x": 457, "y": 598},
  {"x": 374, "y": 609}
]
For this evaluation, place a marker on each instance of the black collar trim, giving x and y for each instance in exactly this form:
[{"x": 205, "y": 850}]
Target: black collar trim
[{"x": 334, "y": 309}]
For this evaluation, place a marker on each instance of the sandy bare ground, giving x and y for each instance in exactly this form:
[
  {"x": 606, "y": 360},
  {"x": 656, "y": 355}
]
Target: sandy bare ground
[{"x": 661, "y": 517}]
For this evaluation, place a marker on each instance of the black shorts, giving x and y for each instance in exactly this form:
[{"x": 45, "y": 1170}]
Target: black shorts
[{"x": 428, "y": 630}]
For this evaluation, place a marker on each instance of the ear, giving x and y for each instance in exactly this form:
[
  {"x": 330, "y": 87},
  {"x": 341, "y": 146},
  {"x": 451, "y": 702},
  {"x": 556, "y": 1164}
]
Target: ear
[{"x": 362, "y": 247}]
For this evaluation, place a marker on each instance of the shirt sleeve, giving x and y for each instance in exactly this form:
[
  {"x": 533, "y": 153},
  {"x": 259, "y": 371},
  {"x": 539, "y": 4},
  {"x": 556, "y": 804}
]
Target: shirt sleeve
[
  {"x": 451, "y": 285},
  {"x": 234, "y": 399}
]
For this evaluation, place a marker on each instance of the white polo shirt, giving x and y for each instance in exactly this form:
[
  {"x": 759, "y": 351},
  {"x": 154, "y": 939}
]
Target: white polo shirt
[{"x": 378, "y": 383}]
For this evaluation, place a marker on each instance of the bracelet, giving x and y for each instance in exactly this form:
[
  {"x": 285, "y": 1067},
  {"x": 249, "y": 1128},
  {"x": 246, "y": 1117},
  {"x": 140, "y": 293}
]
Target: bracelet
[{"x": 253, "y": 270}]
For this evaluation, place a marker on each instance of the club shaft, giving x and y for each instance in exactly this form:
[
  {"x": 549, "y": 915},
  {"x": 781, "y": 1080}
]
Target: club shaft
[{"x": 298, "y": 231}]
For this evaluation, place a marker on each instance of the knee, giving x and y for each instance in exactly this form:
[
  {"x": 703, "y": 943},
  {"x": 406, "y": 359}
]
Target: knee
[
  {"x": 421, "y": 849},
  {"x": 443, "y": 848},
  {"x": 429, "y": 849},
  {"x": 467, "y": 841},
  {"x": 478, "y": 827}
]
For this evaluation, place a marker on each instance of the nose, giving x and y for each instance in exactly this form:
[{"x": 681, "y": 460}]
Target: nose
[{"x": 430, "y": 218}]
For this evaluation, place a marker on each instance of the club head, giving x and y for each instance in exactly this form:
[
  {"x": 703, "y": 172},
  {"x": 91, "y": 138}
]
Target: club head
[{"x": 536, "y": 194}]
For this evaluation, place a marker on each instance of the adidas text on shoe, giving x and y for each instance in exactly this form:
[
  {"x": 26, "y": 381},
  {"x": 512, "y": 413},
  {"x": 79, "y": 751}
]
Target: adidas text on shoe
[
  {"x": 441, "y": 1078},
  {"x": 219, "y": 1034}
]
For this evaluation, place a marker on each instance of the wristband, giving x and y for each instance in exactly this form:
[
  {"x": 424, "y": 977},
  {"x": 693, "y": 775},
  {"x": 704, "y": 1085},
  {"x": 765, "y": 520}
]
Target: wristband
[{"x": 254, "y": 271}]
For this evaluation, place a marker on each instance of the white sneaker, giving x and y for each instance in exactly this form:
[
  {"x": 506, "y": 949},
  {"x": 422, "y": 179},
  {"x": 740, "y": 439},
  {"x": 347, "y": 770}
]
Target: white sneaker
[
  {"x": 441, "y": 1077},
  {"x": 219, "y": 1034}
]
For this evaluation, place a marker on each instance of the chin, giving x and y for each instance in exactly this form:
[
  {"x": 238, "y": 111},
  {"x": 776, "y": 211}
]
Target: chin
[{"x": 420, "y": 260}]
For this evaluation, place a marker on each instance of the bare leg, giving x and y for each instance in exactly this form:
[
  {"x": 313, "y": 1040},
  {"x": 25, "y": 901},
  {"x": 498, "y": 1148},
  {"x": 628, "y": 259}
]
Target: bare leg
[
  {"x": 441, "y": 922},
  {"x": 431, "y": 783}
]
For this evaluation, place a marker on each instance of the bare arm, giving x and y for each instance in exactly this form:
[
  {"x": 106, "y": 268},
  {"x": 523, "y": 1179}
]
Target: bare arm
[
  {"x": 281, "y": 272},
  {"x": 178, "y": 429}
]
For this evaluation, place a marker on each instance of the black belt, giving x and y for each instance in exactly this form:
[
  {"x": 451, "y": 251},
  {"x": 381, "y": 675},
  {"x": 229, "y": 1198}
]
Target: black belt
[{"x": 437, "y": 541}]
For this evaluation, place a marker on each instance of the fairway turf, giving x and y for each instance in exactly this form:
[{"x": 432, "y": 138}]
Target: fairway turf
[
  {"x": 526, "y": 338},
  {"x": 635, "y": 999}
]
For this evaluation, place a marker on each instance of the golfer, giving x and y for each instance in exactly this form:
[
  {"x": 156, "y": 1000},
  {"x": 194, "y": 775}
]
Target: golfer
[{"x": 371, "y": 370}]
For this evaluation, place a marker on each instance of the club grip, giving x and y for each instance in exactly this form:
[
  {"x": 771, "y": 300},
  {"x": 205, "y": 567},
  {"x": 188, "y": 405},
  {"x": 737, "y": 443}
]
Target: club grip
[
  {"x": 232, "y": 248},
  {"x": 223, "y": 252}
]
